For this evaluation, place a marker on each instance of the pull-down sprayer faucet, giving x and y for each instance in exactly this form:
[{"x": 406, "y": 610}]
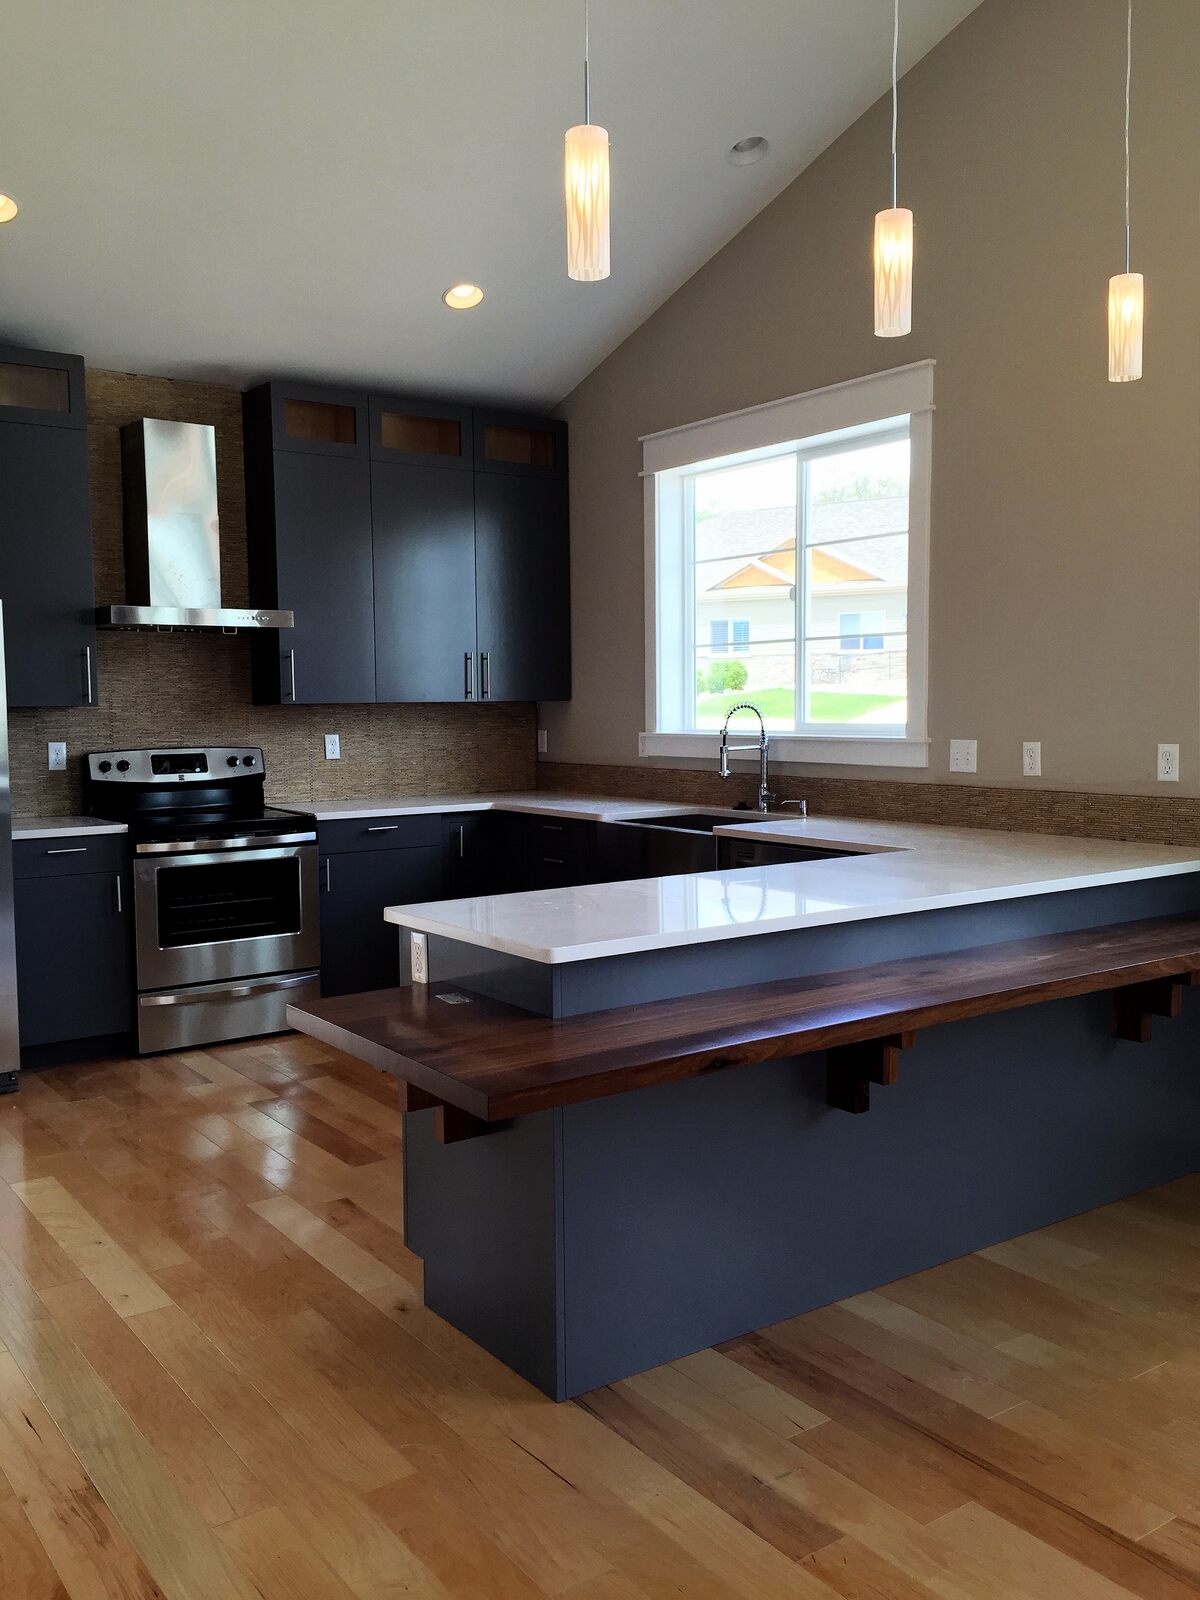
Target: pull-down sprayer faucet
[{"x": 765, "y": 797}]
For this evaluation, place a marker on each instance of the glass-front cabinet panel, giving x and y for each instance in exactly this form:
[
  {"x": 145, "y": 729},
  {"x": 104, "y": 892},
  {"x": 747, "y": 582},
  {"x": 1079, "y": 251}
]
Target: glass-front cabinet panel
[
  {"x": 421, "y": 432},
  {"x": 526, "y": 445},
  {"x": 319, "y": 422},
  {"x": 41, "y": 386}
]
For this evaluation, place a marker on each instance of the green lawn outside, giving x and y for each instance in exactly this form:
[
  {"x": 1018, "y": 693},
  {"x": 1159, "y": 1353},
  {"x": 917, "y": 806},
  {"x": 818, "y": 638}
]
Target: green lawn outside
[{"x": 776, "y": 705}]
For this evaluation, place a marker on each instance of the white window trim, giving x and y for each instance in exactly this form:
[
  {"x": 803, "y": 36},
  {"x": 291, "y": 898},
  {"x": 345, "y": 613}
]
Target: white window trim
[{"x": 899, "y": 393}]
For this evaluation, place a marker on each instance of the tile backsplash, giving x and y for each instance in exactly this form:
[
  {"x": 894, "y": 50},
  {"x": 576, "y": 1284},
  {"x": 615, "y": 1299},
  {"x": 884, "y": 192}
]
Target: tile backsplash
[{"x": 195, "y": 688}]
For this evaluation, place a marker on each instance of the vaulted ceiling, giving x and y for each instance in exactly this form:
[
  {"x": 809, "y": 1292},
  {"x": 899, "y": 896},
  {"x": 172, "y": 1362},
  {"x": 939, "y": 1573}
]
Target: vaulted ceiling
[{"x": 237, "y": 189}]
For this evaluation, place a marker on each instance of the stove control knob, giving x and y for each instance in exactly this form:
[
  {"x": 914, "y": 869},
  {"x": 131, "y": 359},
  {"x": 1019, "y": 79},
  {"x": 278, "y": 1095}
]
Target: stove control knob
[
  {"x": 247, "y": 761},
  {"x": 105, "y": 766},
  {"x": 122, "y": 766},
  {"x": 231, "y": 761}
]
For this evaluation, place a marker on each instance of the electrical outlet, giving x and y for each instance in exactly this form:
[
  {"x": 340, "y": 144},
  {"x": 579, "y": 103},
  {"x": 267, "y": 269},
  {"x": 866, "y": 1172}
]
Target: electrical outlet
[
  {"x": 1031, "y": 759},
  {"x": 333, "y": 747},
  {"x": 56, "y": 757},
  {"x": 1168, "y": 763},
  {"x": 418, "y": 952},
  {"x": 962, "y": 755},
  {"x": 541, "y": 750}
]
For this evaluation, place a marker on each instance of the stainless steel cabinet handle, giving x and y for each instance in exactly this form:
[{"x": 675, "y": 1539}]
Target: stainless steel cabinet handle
[
  {"x": 75, "y": 850},
  {"x": 292, "y": 671},
  {"x": 469, "y": 675},
  {"x": 120, "y": 906},
  {"x": 554, "y": 861},
  {"x": 88, "y": 693},
  {"x": 235, "y": 991},
  {"x": 327, "y": 864},
  {"x": 384, "y": 827},
  {"x": 485, "y": 673},
  {"x": 461, "y": 841}
]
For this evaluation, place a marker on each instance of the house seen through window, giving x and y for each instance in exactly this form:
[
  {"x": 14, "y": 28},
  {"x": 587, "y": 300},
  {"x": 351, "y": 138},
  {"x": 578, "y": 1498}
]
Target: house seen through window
[{"x": 798, "y": 585}]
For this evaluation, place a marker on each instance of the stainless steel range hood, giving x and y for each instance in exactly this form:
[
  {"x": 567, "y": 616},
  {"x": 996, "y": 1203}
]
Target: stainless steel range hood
[{"x": 172, "y": 548}]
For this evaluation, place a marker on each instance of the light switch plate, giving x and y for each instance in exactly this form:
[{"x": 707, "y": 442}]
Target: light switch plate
[
  {"x": 333, "y": 747},
  {"x": 56, "y": 757},
  {"x": 963, "y": 755},
  {"x": 418, "y": 950}
]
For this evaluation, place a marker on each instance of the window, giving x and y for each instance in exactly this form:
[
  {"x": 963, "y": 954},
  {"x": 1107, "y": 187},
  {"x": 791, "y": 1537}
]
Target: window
[
  {"x": 726, "y": 636},
  {"x": 791, "y": 572}
]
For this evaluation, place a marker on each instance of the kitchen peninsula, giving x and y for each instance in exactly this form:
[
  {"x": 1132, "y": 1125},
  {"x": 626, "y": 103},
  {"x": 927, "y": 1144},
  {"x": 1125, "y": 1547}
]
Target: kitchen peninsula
[{"x": 593, "y": 1193}]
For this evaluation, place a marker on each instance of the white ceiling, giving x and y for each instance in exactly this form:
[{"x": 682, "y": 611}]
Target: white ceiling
[{"x": 238, "y": 189}]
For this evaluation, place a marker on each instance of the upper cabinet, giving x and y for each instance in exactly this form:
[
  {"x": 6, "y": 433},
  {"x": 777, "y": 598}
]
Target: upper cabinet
[
  {"x": 46, "y": 581},
  {"x": 510, "y": 441},
  {"x": 421, "y": 433},
  {"x": 430, "y": 563},
  {"x": 308, "y": 521}
]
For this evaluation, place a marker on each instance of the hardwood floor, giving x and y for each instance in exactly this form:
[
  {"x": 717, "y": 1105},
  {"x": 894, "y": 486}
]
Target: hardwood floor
[{"x": 218, "y": 1382}]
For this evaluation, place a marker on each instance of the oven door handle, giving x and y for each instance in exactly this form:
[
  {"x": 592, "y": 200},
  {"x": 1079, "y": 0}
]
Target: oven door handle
[
  {"x": 232, "y": 991},
  {"x": 247, "y": 842}
]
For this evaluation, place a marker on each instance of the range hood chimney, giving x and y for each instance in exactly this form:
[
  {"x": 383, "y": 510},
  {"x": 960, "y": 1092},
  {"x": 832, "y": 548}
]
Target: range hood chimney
[{"x": 172, "y": 549}]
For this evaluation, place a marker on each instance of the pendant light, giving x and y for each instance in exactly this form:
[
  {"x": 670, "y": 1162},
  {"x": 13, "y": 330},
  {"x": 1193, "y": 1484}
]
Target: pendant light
[
  {"x": 585, "y": 186},
  {"x": 893, "y": 240},
  {"x": 1126, "y": 300}
]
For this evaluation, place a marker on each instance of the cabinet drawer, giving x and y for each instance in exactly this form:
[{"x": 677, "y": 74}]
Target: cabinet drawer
[
  {"x": 68, "y": 855},
  {"x": 561, "y": 836},
  {"x": 379, "y": 833}
]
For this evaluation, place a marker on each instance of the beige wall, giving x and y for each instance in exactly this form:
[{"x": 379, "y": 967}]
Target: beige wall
[{"x": 1065, "y": 602}]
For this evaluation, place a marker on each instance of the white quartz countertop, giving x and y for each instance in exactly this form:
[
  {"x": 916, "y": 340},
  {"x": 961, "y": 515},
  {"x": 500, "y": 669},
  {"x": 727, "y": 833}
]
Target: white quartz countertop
[
  {"x": 587, "y": 808},
  {"x": 896, "y": 868},
  {"x": 62, "y": 827}
]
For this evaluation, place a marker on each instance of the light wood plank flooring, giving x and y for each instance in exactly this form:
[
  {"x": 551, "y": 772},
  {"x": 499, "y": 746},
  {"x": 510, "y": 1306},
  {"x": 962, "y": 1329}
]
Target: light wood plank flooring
[{"x": 218, "y": 1382}]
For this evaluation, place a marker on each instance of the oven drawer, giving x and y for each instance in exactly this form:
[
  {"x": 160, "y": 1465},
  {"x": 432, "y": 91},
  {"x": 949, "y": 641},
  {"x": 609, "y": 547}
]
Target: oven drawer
[
  {"x": 379, "y": 833},
  {"x": 70, "y": 853},
  {"x": 205, "y": 917},
  {"x": 208, "y": 1013}
]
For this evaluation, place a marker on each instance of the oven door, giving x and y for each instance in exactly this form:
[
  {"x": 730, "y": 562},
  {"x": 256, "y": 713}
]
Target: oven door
[{"x": 205, "y": 916}]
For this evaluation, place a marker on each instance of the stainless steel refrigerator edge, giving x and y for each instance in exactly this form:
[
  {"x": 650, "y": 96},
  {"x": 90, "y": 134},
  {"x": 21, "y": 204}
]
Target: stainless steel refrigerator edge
[{"x": 10, "y": 1049}]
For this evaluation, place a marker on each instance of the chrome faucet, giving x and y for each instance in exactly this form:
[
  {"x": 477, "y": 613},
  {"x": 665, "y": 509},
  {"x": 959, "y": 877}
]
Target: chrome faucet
[{"x": 765, "y": 797}]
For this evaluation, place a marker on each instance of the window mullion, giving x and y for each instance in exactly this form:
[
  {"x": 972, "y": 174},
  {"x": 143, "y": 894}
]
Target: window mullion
[{"x": 800, "y": 720}]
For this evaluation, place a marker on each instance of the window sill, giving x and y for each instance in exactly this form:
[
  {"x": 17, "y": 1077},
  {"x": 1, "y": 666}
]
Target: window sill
[{"x": 843, "y": 750}]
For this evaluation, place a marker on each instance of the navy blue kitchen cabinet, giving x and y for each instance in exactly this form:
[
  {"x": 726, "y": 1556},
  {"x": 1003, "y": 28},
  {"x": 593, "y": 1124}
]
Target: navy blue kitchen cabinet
[
  {"x": 46, "y": 579},
  {"x": 423, "y": 547},
  {"x": 366, "y": 865},
  {"x": 73, "y": 910}
]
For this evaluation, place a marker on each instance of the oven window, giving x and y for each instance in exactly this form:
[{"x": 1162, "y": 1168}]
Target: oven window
[{"x": 227, "y": 900}]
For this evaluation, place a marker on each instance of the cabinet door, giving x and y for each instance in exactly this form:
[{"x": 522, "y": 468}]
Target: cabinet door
[
  {"x": 523, "y": 598},
  {"x": 527, "y": 447},
  {"x": 424, "y": 541},
  {"x": 74, "y": 957},
  {"x": 478, "y": 854},
  {"x": 359, "y": 950},
  {"x": 323, "y": 572},
  {"x": 43, "y": 387},
  {"x": 46, "y": 566},
  {"x": 421, "y": 432},
  {"x": 317, "y": 420}
]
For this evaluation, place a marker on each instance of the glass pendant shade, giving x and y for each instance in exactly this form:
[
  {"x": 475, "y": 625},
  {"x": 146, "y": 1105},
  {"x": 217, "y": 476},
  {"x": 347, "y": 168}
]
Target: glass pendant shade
[
  {"x": 893, "y": 272},
  {"x": 1126, "y": 313},
  {"x": 585, "y": 186}
]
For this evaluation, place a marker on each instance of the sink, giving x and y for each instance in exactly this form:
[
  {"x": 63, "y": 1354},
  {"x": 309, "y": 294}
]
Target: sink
[{"x": 698, "y": 821}]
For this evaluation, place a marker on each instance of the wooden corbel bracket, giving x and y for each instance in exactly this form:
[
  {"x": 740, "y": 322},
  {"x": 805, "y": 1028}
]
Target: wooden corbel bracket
[
  {"x": 851, "y": 1069},
  {"x": 451, "y": 1123},
  {"x": 1136, "y": 1005}
]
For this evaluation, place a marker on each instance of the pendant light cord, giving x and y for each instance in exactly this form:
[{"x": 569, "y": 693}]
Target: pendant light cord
[
  {"x": 588, "y": 72},
  {"x": 895, "y": 58},
  {"x": 1128, "y": 87}
]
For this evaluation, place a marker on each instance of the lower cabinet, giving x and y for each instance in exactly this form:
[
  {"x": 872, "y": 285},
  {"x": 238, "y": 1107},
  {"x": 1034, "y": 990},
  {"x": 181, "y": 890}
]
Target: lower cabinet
[
  {"x": 359, "y": 950},
  {"x": 74, "y": 934}
]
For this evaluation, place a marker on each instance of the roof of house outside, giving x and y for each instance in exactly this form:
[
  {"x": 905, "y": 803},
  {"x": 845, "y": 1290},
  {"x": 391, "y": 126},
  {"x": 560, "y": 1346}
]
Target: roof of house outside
[{"x": 765, "y": 537}]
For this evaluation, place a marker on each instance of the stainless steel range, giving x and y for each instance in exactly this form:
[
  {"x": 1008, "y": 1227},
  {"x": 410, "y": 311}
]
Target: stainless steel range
[{"x": 224, "y": 890}]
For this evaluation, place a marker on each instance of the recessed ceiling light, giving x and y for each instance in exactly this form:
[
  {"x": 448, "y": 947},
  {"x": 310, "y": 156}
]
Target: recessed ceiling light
[
  {"x": 746, "y": 151},
  {"x": 462, "y": 296},
  {"x": 8, "y": 208}
]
